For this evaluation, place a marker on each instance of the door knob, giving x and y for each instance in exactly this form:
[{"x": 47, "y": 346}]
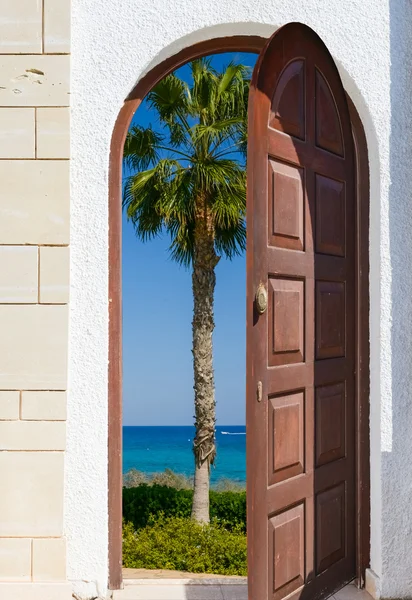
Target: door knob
[{"x": 261, "y": 299}]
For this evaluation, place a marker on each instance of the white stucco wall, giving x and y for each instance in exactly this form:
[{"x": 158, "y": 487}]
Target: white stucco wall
[{"x": 113, "y": 44}]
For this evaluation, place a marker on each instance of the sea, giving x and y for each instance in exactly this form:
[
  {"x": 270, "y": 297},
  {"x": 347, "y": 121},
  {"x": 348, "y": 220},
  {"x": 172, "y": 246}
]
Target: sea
[{"x": 154, "y": 449}]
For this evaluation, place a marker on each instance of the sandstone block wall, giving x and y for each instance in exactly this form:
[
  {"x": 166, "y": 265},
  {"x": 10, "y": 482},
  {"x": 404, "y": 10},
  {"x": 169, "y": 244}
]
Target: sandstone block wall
[{"x": 34, "y": 295}]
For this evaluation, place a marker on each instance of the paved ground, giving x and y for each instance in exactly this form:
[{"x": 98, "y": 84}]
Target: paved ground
[
  {"x": 182, "y": 589},
  {"x": 351, "y": 592},
  {"x": 166, "y": 574},
  {"x": 206, "y": 588}
]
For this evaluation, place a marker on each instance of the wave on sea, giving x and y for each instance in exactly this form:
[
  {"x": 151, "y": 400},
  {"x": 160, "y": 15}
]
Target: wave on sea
[{"x": 232, "y": 433}]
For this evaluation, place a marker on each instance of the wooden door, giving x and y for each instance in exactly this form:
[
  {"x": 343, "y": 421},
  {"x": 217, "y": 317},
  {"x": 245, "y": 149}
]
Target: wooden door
[{"x": 301, "y": 349}]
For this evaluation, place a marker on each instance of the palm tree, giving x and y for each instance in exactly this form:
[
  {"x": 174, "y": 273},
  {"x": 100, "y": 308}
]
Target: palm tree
[{"x": 189, "y": 180}]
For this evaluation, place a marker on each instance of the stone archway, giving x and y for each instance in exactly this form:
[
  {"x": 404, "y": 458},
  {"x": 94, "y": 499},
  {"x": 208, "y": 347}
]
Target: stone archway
[{"x": 214, "y": 46}]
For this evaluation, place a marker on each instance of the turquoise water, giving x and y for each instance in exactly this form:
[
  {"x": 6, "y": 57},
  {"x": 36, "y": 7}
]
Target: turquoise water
[{"x": 154, "y": 449}]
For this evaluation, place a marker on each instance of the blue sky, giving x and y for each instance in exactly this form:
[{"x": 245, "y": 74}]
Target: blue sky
[{"x": 157, "y": 317}]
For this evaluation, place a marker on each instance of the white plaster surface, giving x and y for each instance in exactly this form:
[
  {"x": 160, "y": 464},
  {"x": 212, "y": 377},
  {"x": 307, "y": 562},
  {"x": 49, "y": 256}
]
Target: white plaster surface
[{"x": 113, "y": 45}]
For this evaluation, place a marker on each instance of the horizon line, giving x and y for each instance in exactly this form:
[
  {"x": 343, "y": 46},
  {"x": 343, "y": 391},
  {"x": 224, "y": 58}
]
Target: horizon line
[{"x": 192, "y": 425}]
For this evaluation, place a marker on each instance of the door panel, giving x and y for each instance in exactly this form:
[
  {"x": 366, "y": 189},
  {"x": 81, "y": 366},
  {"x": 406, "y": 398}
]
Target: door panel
[
  {"x": 287, "y": 544},
  {"x": 301, "y": 247}
]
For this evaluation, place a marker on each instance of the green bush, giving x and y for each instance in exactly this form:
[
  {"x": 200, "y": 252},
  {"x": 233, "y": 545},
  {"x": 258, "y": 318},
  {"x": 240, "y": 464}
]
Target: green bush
[
  {"x": 184, "y": 545},
  {"x": 139, "y": 503},
  {"x": 229, "y": 509}
]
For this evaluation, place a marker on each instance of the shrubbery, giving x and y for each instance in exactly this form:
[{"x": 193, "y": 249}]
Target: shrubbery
[
  {"x": 184, "y": 545},
  {"x": 167, "y": 477},
  {"x": 133, "y": 478},
  {"x": 159, "y": 534},
  {"x": 145, "y": 501}
]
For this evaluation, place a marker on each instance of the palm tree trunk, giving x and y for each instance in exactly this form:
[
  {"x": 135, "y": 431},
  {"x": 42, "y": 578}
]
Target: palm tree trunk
[
  {"x": 203, "y": 284},
  {"x": 200, "y": 506}
]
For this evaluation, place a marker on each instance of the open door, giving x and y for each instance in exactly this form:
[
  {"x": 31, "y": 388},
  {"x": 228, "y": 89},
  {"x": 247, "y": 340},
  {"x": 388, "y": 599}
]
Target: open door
[{"x": 300, "y": 323}]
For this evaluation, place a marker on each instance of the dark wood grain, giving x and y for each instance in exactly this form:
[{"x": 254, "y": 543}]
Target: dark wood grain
[
  {"x": 302, "y": 240},
  {"x": 363, "y": 351}
]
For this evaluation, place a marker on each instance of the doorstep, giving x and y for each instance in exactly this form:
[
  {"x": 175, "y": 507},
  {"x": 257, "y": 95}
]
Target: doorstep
[{"x": 216, "y": 588}]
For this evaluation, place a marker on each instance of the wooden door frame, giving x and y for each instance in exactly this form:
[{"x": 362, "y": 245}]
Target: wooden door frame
[{"x": 216, "y": 46}]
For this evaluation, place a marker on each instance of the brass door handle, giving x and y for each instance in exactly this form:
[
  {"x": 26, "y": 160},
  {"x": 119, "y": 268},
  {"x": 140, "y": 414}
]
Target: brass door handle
[{"x": 261, "y": 299}]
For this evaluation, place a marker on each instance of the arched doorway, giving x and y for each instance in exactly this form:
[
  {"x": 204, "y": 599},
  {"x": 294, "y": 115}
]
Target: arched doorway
[{"x": 360, "y": 316}]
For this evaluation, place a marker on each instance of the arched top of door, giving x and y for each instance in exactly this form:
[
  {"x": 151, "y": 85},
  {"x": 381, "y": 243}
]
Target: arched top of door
[{"x": 236, "y": 43}]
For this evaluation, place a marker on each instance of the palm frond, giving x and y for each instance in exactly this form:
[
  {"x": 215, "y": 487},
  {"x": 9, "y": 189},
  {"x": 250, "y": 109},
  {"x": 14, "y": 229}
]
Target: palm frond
[
  {"x": 168, "y": 97},
  {"x": 217, "y": 132},
  {"x": 213, "y": 173},
  {"x": 234, "y": 91},
  {"x": 170, "y": 101},
  {"x": 150, "y": 196},
  {"x": 182, "y": 242},
  {"x": 203, "y": 90},
  {"x": 141, "y": 148},
  {"x": 198, "y": 152},
  {"x": 231, "y": 242},
  {"x": 229, "y": 205},
  {"x": 234, "y": 77}
]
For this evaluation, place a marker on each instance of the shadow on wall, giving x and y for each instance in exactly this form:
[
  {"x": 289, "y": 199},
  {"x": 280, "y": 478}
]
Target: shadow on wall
[
  {"x": 396, "y": 416},
  {"x": 209, "y": 33}
]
